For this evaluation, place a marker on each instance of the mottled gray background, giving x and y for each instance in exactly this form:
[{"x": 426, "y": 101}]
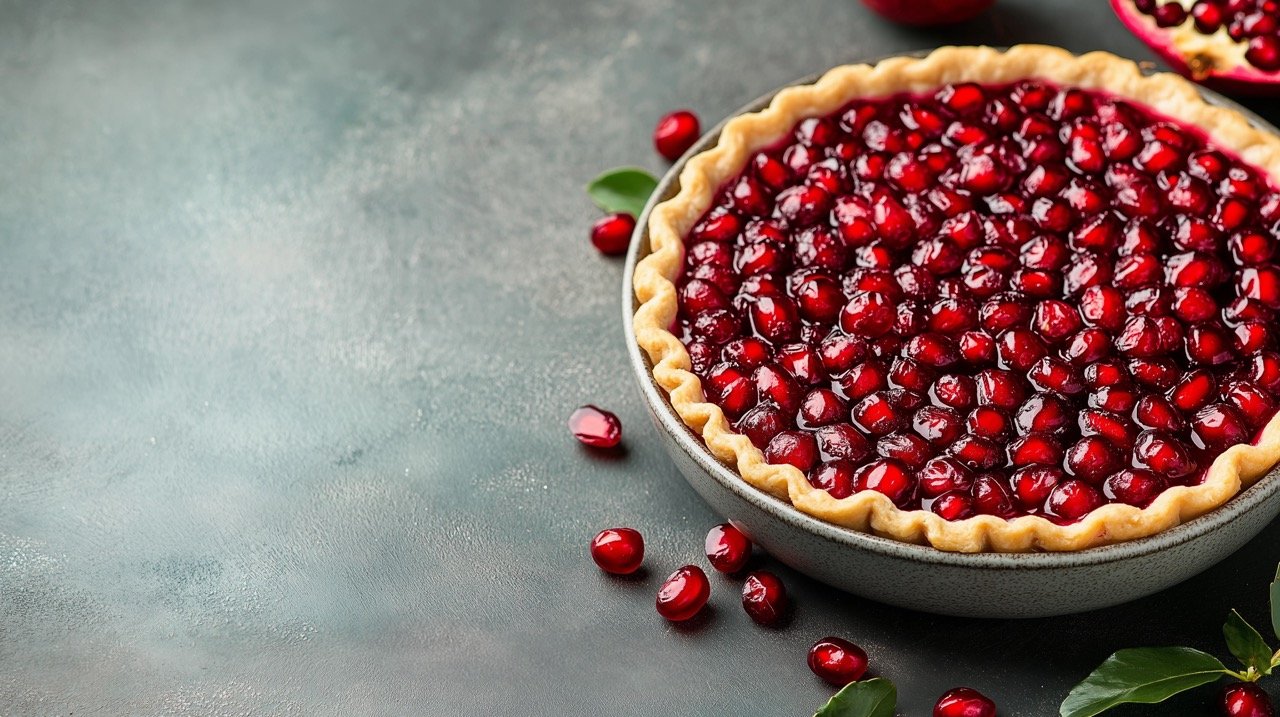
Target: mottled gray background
[{"x": 295, "y": 299}]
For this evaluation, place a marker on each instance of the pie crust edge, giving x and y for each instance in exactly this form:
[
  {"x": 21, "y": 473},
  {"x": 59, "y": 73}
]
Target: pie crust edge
[{"x": 869, "y": 511}]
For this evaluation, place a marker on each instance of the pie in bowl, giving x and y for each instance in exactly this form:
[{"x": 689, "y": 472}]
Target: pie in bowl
[{"x": 981, "y": 300}]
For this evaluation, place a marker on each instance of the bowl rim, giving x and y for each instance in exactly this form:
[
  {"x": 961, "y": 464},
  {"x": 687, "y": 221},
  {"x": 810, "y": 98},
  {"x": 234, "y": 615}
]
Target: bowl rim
[{"x": 659, "y": 404}]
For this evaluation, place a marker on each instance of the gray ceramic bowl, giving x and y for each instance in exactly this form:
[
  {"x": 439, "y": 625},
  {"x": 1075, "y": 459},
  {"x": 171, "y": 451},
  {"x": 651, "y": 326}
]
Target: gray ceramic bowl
[{"x": 920, "y": 577}]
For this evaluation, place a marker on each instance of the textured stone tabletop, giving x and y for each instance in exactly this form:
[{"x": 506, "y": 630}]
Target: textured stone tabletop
[{"x": 296, "y": 298}]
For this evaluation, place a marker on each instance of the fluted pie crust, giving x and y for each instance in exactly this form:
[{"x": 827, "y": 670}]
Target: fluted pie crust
[{"x": 870, "y": 511}]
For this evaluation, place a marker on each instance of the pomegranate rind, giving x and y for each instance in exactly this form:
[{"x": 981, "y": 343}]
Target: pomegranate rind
[{"x": 1215, "y": 61}]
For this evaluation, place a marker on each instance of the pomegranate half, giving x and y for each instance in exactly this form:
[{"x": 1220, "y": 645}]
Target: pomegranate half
[{"x": 1229, "y": 45}]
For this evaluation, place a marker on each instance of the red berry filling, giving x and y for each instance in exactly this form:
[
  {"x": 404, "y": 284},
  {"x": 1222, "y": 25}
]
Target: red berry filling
[{"x": 990, "y": 300}]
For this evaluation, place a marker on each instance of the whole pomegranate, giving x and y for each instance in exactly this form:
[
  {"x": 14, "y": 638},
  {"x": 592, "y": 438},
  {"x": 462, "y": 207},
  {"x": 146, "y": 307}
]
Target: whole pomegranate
[{"x": 928, "y": 12}]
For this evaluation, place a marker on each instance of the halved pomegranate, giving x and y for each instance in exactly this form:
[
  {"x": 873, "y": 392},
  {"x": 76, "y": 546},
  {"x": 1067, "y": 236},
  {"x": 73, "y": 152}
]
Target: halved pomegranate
[{"x": 1229, "y": 45}]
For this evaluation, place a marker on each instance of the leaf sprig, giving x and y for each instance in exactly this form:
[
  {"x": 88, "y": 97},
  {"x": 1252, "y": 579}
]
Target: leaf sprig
[
  {"x": 1154, "y": 674},
  {"x": 625, "y": 189}
]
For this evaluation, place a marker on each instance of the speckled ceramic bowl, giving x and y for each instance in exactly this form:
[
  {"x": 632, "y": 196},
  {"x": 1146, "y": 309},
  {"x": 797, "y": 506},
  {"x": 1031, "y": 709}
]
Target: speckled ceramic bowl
[{"x": 921, "y": 577}]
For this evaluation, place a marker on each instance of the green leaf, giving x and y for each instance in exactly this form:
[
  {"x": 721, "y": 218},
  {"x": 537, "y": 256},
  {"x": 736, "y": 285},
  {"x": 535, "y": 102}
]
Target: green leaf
[
  {"x": 1275, "y": 604},
  {"x": 876, "y": 697},
  {"x": 1246, "y": 644},
  {"x": 625, "y": 189},
  {"x": 1146, "y": 675}
]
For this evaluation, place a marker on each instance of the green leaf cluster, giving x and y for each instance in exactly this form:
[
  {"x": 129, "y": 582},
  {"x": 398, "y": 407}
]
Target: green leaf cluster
[{"x": 1154, "y": 674}]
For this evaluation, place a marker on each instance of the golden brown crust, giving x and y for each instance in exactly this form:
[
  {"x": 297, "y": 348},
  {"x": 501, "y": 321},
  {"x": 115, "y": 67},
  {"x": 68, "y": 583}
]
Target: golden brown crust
[{"x": 868, "y": 510}]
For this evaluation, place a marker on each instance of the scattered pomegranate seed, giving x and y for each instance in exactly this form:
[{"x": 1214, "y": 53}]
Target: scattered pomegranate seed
[
  {"x": 618, "y": 550},
  {"x": 837, "y": 661},
  {"x": 764, "y": 597},
  {"x": 727, "y": 548},
  {"x": 675, "y": 134},
  {"x": 611, "y": 234},
  {"x": 595, "y": 427},
  {"x": 1246, "y": 699},
  {"x": 683, "y": 594},
  {"x": 964, "y": 702}
]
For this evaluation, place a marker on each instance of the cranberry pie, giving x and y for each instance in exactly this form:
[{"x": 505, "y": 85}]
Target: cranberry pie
[{"x": 983, "y": 300}]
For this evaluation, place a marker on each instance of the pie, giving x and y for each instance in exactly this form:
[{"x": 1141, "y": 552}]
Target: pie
[{"x": 980, "y": 300}]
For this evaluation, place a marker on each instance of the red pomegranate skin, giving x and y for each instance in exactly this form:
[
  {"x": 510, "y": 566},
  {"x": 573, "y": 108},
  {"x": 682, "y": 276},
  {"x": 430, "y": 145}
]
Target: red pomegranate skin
[
  {"x": 928, "y": 12},
  {"x": 1242, "y": 79}
]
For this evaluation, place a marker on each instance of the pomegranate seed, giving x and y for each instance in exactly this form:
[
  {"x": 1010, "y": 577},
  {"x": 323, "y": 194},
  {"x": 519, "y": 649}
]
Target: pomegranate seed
[
  {"x": 675, "y": 134},
  {"x": 683, "y": 594},
  {"x": 727, "y": 548},
  {"x": 886, "y": 476},
  {"x": 837, "y": 661},
  {"x": 764, "y": 597},
  {"x": 1218, "y": 427},
  {"x": 1163, "y": 455},
  {"x": 1091, "y": 459},
  {"x": 1133, "y": 487},
  {"x": 1246, "y": 699},
  {"x": 595, "y": 427},
  {"x": 835, "y": 477},
  {"x": 618, "y": 551},
  {"x": 796, "y": 448},
  {"x": 1032, "y": 485},
  {"x": 964, "y": 702},
  {"x": 1073, "y": 499},
  {"x": 990, "y": 497},
  {"x": 611, "y": 234}
]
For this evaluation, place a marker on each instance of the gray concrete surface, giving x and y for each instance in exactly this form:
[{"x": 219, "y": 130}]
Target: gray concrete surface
[{"x": 294, "y": 300}]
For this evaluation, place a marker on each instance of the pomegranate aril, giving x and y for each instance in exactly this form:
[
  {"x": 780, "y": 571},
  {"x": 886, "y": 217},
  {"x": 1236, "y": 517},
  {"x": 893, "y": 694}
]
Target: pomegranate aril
[
  {"x": 727, "y": 548},
  {"x": 837, "y": 661},
  {"x": 1116, "y": 429},
  {"x": 611, "y": 234},
  {"x": 1073, "y": 499},
  {"x": 764, "y": 598},
  {"x": 1091, "y": 459},
  {"x": 1034, "y": 449},
  {"x": 795, "y": 448},
  {"x": 762, "y": 423},
  {"x": 990, "y": 497},
  {"x": 964, "y": 702},
  {"x": 1032, "y": 485},
  {"x": 595, "y": 427},
  {"x": 618, "y": 550},
  {"x": 1163, "y": 455},
  {"x": 683, "y": 594},
  {"x": 1246, "y": 699},
  {"x": 1194, "y": 391},
  {"x": 1157, "y": 413},
  {"x": 1256, "y": 406},
  {"x": 877, "y": 415},
  {"x": 886, "y": 476},
  {"x": 835, "y": 477},
  {"x": 1218, "y": 427},
  {"x": 676, "y": 132}
]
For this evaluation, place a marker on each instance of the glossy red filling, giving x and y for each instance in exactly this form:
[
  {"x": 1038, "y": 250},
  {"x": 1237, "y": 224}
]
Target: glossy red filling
[{"x": 1003, "y": 300}]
